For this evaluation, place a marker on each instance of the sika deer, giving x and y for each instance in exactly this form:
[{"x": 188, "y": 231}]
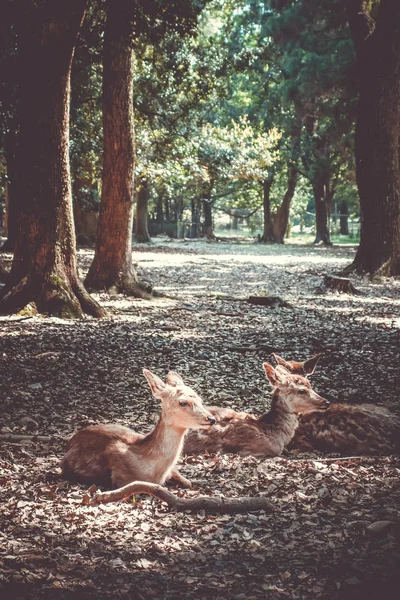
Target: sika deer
[
  {"x": 115, "y": 455},
  {"x": 344, "y": 428},
  {"x": 268, "y": 435}
]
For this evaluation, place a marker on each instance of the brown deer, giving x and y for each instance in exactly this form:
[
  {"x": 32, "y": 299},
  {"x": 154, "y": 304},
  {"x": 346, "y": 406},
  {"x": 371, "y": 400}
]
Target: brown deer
[
  {"x": 243, "y": 434},
  {"x": 114, "y": 456},
  {"x": 344, "y": 428}
]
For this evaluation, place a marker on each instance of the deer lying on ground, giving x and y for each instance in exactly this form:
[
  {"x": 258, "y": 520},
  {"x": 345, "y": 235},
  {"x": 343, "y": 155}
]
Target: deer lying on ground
[
  {"x": 227, "y": 415},
  {"x": 243, "y": 434},
  {"x": 114, "y": 456},
  {"x": 345, "y": 428}
]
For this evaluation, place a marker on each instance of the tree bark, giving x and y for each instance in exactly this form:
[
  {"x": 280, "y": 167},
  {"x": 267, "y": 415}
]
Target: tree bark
[
  {"x": 281, "y": 218},
  {"x": 112, "y": 266},
  {"x": 344, "y": 218},
  {"x": 11, "y": 202},
  {"x": 323, "y": 201},
  {"x": 207, "y": 229},
  {"x": 268, "y": 233},
  {"x": 44, "y": 267},
  {"x": 160, "y": 209},
  {"x": 377, "y": 135},
  {"x": 142, "y": 235}
]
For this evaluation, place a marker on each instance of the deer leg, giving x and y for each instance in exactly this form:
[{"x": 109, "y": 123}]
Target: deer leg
[{"x": 176, "y": 476}]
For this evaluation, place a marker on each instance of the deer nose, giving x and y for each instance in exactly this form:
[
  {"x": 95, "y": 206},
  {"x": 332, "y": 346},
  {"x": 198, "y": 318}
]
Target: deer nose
[
  {"x": 327, "y": 404},
  {"x": 211, "y": 420}
]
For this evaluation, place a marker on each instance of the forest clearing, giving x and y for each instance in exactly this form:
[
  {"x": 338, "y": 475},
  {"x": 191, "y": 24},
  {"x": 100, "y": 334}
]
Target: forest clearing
[{"x": 332, "y": 530}]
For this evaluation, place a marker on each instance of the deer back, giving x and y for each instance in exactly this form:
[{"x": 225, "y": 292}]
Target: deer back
[{"x": 347, "y": 429}]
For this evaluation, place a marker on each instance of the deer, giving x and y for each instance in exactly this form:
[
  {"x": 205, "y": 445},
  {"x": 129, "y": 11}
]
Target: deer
[
  {"x": 344, "y": 428},
  {"x": 113, "y": 455},
  {"x": 267, "y": 435}
]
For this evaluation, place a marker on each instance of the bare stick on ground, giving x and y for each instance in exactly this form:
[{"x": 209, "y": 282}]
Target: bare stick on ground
[{"x": 208, "y": 504}]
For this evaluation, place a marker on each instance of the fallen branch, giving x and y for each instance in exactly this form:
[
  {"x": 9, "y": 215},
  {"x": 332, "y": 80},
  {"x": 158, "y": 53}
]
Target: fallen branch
[
  {"x": 17, "y": 437},
  {"x": 270, "y": 301},
  {"x": 331, "y": 459},
  {"x": 206, "y": 503},
  {"x": 260, "y": 348}
]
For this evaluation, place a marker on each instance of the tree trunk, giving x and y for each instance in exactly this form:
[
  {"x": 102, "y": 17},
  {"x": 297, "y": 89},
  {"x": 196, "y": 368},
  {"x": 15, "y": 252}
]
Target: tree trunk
[
  {"x": 268, "y": 234},
  {"x": 344, "y": 218},
  {"x": 160, "y": 209},
  {"x": 142, "y": 235},
  {"x": 44, "y": 267},
  {"x": 11, "y": 202},
  {"x": 208, "y": 229},
  {"x": 377, "y": 135},
  {"x": 194, "y": 229},
  {"x": 112, "y": 266},
  {"x": 323, "y": 200},
  {"x": 281, "y": 219}
]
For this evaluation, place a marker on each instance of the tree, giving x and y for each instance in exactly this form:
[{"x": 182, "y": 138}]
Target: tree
[
  {"x": 375, "y": 28},
  {"x": 112, "y": 265},
  {"x": 8, "y": 115},
  {"x": 142, "y": 197},
  {"x": 44, "y": 266}
]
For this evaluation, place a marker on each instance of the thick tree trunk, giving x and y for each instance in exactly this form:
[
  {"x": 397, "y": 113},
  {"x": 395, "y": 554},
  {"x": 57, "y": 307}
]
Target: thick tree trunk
[
  {"x": 344, "y": 218},
  {"x": 268, "y": 233},
  {"x": 44, "y": 267},
  {"x": 11, "y": 214},
  {"x": 142, "y": 235},
  {"x": 112, "y": 266},
  {"x": 323, "y": 201},
  {"x": 281, "y": 219},
  {"x": 377, "y": 136}
]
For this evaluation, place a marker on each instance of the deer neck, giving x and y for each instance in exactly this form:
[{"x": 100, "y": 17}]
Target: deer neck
[
  {"x": 165, "y": 442},
  {"x": 281, "y": 417}
]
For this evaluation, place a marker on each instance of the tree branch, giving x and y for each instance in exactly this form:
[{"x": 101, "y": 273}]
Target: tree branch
[{"x": 209, "y": 505}]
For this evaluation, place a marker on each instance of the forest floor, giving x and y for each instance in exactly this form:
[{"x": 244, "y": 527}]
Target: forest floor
[{"x": 334, "y": 528}]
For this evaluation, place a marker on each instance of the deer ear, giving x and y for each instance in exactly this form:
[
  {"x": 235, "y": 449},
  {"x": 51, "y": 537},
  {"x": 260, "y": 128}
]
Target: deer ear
[
  {"x": 271, "y": 375},
  {"x": 309, "y": 365},
  {"x": 156, "y": 384},
  {"x": 279, "y": 360},
  {"x": 174, "y": 379},
  {"x": 281, "y": 375}
]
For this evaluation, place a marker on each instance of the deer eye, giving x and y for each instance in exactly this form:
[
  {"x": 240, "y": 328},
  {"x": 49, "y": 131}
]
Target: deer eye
[
  {"x": 183, "y": 403},
  {"x": 302, "y": 392}
]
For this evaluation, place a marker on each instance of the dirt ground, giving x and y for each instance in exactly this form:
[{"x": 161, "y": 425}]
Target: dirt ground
[{"x": 334, "y": 528}]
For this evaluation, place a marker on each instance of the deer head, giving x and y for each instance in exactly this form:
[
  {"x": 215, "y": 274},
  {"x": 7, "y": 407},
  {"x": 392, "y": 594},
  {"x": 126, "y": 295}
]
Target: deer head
[
  {"x": 295, "y": 390},
  {"x": 182, "y": 406}
]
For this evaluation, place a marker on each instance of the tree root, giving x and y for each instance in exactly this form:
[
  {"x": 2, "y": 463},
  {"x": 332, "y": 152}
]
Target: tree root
[
  {"x": 209, "y": 505},
  {"x": 54, "y": 295},
  {"x": 127, "y": 284}
]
